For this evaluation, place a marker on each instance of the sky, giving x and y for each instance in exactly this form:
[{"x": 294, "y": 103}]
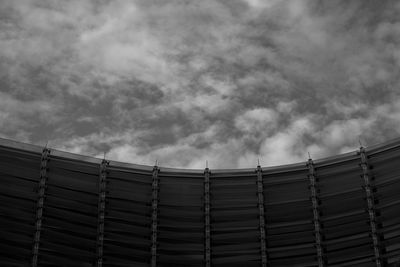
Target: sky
[{"x": 182, "y": 82}]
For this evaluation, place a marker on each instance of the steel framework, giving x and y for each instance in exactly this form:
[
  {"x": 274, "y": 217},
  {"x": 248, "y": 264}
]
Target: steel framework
[{"x": 63, "y": 209}]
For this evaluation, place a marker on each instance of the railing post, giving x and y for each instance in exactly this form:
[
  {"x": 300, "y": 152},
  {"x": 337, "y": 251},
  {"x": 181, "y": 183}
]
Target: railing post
[
  {"x": 261, "y": 208},
  {"x": 316, "y": 213},
  {"x": 371, "y": 206},
  {"x": 101, "y": 211},
  {"x": 207, "y": 229},
  {"x": 154, "y": 217},
  {"x": 40, "y": 205}
]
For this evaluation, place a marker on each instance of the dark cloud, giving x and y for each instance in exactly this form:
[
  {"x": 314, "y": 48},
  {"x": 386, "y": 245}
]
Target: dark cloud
[{"x": 184, "y": 81}]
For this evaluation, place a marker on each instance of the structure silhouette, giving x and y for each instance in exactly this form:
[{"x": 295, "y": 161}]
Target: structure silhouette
[{"x": 62, "y": 209}]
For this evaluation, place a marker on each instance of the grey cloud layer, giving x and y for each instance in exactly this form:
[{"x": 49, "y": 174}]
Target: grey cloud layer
[{"x": 189, "y": 81}]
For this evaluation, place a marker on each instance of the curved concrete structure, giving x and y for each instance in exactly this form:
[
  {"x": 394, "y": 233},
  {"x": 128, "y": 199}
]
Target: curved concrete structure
[{"x": 62, "y": 209}]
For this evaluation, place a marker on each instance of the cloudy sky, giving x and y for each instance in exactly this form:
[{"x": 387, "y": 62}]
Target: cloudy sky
[{"x": 227, "y": 81}]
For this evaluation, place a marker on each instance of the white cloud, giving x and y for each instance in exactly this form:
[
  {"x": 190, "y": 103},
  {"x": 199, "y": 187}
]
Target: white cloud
[
  {"x": 257, "y": 120},
  {"x": 186, "y": 82},
  {"x": 15, "y": 112},
  {"x": 287, "y": 146},
  {"x": 343, "y": 132}
]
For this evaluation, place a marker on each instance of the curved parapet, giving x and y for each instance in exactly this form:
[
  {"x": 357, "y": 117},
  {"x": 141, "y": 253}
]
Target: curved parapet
[{"x": 63, "y": 209}]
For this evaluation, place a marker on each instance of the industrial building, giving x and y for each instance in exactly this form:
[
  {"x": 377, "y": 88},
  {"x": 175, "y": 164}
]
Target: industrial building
[{"x": 63, "y": 209}]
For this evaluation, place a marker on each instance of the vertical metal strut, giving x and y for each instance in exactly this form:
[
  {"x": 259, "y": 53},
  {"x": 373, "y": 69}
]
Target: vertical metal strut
[
  {"x": 39, "y": 205},
  {"x": 101, "y": 211},
  {"x": 371, "y": 206},
  {"x": 154, "y": 217},
  {"x": 260, "y": 194},
  {"x": 316, "y": 220},
  {"x": 207, "y": 229}
]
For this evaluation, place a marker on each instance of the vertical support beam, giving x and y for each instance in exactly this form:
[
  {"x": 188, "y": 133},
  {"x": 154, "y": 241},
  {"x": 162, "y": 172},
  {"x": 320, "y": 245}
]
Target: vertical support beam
[
  {"x": 316, "y": 213},
  {"x": 154, "y": 216},
  {"x": 260, "y": 194},
  {"x": 371, "y": 206},
  {"x": 207, "y": 228},
  {"x": 101, "y": 211},
  {"x": 40, "y": 205}
]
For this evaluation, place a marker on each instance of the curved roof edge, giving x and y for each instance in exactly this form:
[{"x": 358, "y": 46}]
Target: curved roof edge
[{"x": 374, "y": 149}]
